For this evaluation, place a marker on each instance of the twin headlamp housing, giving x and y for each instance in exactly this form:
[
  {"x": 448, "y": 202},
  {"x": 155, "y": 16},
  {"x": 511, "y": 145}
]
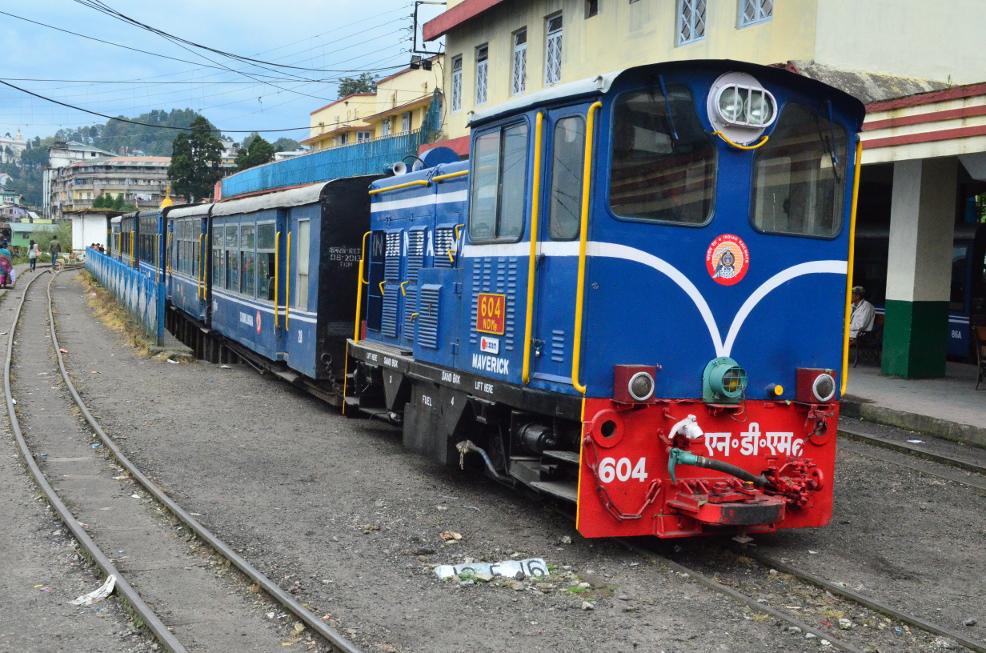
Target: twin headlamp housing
[{"x": 740, "y": 107}]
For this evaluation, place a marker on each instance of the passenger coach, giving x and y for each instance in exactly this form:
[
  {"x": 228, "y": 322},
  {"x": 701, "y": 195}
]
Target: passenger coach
[{"x": 634, "y": 298}]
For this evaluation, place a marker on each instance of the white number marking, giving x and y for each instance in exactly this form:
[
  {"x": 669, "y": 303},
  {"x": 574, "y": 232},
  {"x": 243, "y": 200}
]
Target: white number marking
[{"x": 611, "y": 469}]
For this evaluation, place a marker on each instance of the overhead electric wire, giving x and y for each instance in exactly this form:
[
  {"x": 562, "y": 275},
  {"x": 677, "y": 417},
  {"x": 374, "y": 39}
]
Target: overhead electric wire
[
  {"x": 170, "y": 127},
  {"x": 104, "y": 8},
  {"x": 198, "y": 64}
]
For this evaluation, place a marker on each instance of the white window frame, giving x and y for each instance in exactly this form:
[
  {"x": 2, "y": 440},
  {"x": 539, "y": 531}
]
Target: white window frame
[
  {"x": 362, "y": 136},
  {"x": 457, "y": 83},
  {"x": 763, "y": 11},
  {"x": 482, "y": 73},
  {"x": 690, "y": 15},
  {"x": 385, "y": 127},
  {"x": 553, "y": 49},
  {"x": 518, "y": 67},
  {"x": 406, "y": 122}
]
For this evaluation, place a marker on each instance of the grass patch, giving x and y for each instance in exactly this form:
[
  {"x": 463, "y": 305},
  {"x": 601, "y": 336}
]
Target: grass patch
[{"x": 113, "y": 316}]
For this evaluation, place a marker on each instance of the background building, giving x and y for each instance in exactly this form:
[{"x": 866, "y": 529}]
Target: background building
[
  {"x": 398, "y": 106},
  {"x": 141, "y": 181},
  {"x": 11, "y": 148},
  {"x": 60, "y": 155}
]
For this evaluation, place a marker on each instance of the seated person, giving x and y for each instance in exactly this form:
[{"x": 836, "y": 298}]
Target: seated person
[{"x": 863, "y": 314}]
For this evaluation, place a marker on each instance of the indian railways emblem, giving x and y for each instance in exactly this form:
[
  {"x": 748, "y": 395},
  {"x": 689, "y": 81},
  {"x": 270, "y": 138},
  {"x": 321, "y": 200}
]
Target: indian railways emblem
[{"x": 727, "y": 259}]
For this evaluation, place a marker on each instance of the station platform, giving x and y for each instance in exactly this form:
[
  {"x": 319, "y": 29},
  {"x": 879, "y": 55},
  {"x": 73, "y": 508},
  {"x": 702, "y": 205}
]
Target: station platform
[{"x": 949, "y": 408}]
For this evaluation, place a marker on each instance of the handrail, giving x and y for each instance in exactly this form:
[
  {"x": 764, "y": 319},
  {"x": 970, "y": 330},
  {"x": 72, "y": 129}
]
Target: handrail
[
  {"x": 287, "y": 285},
  {"x": 590, "y": 122},
  {"x": 382, "y": 284},
  {"x": 404, "y": 283},
  {"x": 532, "y": 253},
  {"x": 406, "y": 184},
  {"x": 360, "y": 281},
  {"x": 132, "y": 260},
  {"x": 200, "y": 275},
  {"x": 740, "y": 146},
  {"x": 277, "y": 279},
  {"x": 449, "y": 175},
  {"x": 450, "y": 252},
  {"x": 849, "y": 264}
]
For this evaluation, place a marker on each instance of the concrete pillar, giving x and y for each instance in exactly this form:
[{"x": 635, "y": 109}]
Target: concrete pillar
[{"x": 919, "y": 268}]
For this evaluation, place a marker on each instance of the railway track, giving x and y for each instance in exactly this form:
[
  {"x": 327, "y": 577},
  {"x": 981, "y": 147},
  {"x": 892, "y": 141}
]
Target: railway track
[
  {"x": 169, "y": 588},
  {"x": 976, "y": 479},
  {"x": 762, "y": 578}
]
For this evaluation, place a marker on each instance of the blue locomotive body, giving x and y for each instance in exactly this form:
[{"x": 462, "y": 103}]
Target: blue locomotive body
[{"x": 688, "y": 222}]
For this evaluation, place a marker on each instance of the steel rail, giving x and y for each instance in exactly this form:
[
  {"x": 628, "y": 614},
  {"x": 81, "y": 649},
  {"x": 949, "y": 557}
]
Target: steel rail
[
  {"x": 911, "y": 450},
  {"x": 740, "y": 597},
  {"x": 141, "y": 609},
  {"x": 329, "y": 634},
  {"x": 942, "y": 474},
  {"x": 872, "y": 604}
]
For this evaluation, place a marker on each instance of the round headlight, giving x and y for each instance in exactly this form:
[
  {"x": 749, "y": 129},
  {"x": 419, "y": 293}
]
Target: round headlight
[
  {"x": 731, "y": 104},
  {"x": 759, "y": 109},
  {"x": 823, "y": 387},
  {"x": 641, "y": 386}
]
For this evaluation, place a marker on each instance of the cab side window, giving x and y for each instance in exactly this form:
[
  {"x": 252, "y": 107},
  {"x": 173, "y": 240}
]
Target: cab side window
[
  {"x": 566, "y": 178},
  {"x": 499, "y": 185}
]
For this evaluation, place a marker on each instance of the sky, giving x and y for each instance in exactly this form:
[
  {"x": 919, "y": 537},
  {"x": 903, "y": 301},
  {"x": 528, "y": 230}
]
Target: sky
[{"x": 331, "y": 36}]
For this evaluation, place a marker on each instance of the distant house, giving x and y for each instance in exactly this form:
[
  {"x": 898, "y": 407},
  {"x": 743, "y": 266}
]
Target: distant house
[
  {"x": 22, "y": 233},
  {"x": 90, "y": 226}
]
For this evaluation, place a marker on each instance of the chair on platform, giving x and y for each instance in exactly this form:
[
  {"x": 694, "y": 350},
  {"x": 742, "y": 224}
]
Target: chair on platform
[
  {"x": 869, "y": 344},
  {"x": 979, "y": 339}
]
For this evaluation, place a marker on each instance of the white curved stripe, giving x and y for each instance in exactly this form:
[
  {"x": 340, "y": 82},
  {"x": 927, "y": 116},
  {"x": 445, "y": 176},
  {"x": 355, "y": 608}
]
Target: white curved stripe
[
  {"x": 613, "y": 250},
  {"x": 812, "y": 267}
]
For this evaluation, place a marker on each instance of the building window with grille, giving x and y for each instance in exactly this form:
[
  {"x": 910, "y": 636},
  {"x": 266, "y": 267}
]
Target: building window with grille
[
  {"x": 405, "y": 122},
  {"x": 518, "y": 74},
  {"x": 482, "y": 63},
  {"x": 457, "y": 83},
  {"x": 362, "y": 137},
  {"x": 385, "y": 127},
  {"x": 755, "y": 11},
  {"x": 552, "y": 50},
  {"x": 691, "y": 21}
]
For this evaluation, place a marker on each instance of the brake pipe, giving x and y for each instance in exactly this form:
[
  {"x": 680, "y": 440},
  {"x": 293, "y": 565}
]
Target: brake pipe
[{"x": 681, "y": 457}]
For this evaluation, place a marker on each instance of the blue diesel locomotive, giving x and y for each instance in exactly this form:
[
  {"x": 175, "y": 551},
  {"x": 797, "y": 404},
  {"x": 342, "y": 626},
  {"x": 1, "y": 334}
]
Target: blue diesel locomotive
[{"x": 633, "y": 297}]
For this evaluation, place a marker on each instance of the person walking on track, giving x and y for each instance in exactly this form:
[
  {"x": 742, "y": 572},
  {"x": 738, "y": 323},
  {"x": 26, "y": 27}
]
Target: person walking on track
[
  {"x": 55, "y": 249},
  {"x": 32, "y": 255}
]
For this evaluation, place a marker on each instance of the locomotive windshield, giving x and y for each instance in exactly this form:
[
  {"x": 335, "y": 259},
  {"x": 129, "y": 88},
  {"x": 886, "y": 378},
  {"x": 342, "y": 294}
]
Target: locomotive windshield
[
  {"x": 800, "y": 176},
  {"x": 664, "y": 163}
]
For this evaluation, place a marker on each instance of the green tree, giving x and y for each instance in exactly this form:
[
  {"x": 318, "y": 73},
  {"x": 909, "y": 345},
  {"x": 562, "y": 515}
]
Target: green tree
[
  {"x": 117, "y": 202},
  {"x": 286, "y": 145},
  {"x": 365, "y": 83},
  {"x": 196, "y": 161},
  {"x": 99, "y": 202},
  {"x": 254, "y": 153}
]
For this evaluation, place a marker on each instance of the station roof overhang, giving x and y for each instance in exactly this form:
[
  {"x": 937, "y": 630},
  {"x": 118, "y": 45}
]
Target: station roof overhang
[{"x": 948, "y": 122}]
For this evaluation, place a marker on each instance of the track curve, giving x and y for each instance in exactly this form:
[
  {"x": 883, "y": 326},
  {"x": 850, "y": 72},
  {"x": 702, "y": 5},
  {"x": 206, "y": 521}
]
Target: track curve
[{"x": 329, "y": 634}]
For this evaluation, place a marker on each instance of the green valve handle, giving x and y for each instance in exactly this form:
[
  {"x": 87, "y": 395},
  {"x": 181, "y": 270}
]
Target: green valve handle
[{"x": 681, "y": 457}]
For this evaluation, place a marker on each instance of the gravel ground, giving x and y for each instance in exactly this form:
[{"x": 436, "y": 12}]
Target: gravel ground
[
  {"x": 338, "y": 512},
  {"x": 41, "y": 570}
]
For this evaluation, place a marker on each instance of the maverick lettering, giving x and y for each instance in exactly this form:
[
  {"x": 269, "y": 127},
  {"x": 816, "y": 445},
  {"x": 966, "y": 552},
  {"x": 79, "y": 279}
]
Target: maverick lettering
[{"x": 491, "y": 364}]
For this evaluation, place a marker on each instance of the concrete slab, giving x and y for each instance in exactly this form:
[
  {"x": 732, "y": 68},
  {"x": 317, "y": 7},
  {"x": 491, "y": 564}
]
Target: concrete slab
[{"x": 949, "y": 408}]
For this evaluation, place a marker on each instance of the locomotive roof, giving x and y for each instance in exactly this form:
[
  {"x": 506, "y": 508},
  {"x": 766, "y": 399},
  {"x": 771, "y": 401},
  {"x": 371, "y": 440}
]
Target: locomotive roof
[
  {"x": 602, "y": 83},
  {"x": 309, "y": 194}
]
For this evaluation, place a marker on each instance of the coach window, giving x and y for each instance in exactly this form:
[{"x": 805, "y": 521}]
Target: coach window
[
  {"x": 232, "y": 264},
  {"x": 248, "y": 270},
  {"x": 301, "y": 265},
  {"x": 799, "y": 176},
  {"x": 566, "y": 177},
  {"x": 664, "y": 163},
  {"x": 218, "y": 261},
  {"x": 265, "y": 261},
  {"x": 499, "y": 175}
]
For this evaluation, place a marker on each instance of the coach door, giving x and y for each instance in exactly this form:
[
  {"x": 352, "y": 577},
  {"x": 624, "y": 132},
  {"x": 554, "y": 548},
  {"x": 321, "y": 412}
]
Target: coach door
[{"x": 562, "y": 146}]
